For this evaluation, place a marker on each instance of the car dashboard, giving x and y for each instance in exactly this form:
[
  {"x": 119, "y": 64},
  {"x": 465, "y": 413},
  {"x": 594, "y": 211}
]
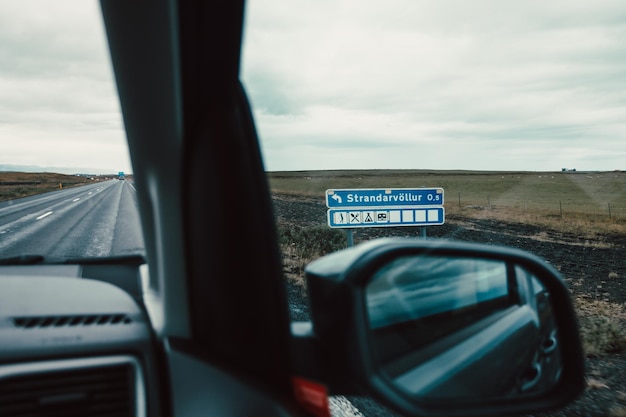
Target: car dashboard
[{"x": 75, "y": 341}]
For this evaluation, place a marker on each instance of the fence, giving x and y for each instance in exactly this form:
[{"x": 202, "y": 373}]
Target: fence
[{"x": 557, "y": 207}]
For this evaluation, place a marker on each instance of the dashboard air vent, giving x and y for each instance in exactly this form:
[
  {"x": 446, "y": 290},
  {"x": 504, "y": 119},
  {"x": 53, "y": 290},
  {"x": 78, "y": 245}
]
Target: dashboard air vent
[
  {"x": 74, "y": 391},
  {"x": 69, "y": 321}
]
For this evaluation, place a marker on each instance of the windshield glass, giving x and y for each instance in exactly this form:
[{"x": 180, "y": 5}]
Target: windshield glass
[
  {"x": 516, "y": 110},
  {"x": 66, "y": 183}
]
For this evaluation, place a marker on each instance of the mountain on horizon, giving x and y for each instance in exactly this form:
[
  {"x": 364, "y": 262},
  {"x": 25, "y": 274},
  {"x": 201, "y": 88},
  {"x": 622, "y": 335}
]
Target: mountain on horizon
[{"x": 58, "y": 170}]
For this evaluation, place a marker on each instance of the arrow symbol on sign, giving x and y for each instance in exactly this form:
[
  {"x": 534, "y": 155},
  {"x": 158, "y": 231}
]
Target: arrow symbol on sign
[{"x": 336, "y": 197}]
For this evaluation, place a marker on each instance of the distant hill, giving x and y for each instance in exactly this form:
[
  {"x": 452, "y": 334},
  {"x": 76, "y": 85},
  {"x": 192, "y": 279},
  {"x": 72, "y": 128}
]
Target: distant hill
[{"x": 58, "y": 170}]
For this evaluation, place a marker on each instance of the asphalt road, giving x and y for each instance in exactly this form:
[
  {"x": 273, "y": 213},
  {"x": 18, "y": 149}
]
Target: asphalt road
[{"x": 94, "y": 220}]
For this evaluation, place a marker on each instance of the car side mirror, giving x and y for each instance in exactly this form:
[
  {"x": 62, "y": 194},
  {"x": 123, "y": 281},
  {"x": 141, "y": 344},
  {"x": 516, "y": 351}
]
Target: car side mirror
[{"x": 433, "y": 327}]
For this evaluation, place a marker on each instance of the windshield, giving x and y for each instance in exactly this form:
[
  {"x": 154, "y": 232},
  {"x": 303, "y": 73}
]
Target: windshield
[
  {"x": 66, "y": 183},
  {"x": 516, "y": 110}
]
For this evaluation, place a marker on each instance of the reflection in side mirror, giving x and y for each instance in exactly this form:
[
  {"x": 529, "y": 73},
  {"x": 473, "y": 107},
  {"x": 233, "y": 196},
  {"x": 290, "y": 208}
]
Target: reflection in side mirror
[
  {"x": 461, "y": 328},
  {"x": 434, "y": 327}
]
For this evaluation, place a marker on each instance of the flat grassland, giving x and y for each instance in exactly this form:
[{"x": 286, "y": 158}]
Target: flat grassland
[
  {"x": 23, "y": 184},
  {"x": 573, "y": 200},
  {"x": 587, "y": 192}
]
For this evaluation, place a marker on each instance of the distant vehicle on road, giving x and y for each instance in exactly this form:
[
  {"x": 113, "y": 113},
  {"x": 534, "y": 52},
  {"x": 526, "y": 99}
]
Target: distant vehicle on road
[{"x": 120, "y": 176}]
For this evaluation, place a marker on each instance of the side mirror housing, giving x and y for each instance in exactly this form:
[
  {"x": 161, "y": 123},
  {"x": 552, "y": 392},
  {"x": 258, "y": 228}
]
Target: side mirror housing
[{"x": 434, "y": 327}]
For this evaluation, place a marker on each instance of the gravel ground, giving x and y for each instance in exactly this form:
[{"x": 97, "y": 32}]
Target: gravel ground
[{"x": 595, "y": 270}]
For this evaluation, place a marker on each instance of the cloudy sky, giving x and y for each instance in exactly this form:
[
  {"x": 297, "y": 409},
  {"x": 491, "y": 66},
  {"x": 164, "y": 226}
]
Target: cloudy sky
[
  {"x": 532, "y": 85},
  {"x": 502, "y": 85},
  {"x": 58, "y": 103}
]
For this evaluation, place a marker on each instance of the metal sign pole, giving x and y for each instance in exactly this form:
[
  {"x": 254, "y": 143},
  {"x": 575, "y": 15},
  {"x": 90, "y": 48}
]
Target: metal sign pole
[{"x": 350, "y": 237}]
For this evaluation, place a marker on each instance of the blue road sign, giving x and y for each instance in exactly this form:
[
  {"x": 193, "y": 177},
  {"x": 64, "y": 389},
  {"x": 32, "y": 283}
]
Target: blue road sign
[
  {"x": 386, "y": 217},
  {"x": 390, "y": 197}
]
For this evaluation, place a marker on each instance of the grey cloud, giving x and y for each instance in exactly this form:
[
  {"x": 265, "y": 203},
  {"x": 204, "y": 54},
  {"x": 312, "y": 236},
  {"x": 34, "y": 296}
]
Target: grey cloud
[{"x": 58, "y": 93}]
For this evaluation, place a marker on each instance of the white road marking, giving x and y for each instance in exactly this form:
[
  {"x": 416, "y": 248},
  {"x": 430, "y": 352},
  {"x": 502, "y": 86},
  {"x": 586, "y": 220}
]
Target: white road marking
[
  {"x": 45, "y": 215},
  {"x": 76, "y": 199},
  {"x": 90, "y": 193},
  {"x": 340, "y": 406}
]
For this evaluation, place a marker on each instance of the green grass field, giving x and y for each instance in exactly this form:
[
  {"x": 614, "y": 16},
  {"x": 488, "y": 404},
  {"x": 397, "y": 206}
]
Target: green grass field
[
  {"x": 594, "y": 193},
  {"x": 584, "y": 203},
  {"x": 578, "y": 191}
]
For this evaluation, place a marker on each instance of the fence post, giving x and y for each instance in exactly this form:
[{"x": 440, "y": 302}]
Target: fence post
[
  {"x": 561, "y": 208},
  {"x": 609, "y": 210},
  {"x": 459, "y": 200}
]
